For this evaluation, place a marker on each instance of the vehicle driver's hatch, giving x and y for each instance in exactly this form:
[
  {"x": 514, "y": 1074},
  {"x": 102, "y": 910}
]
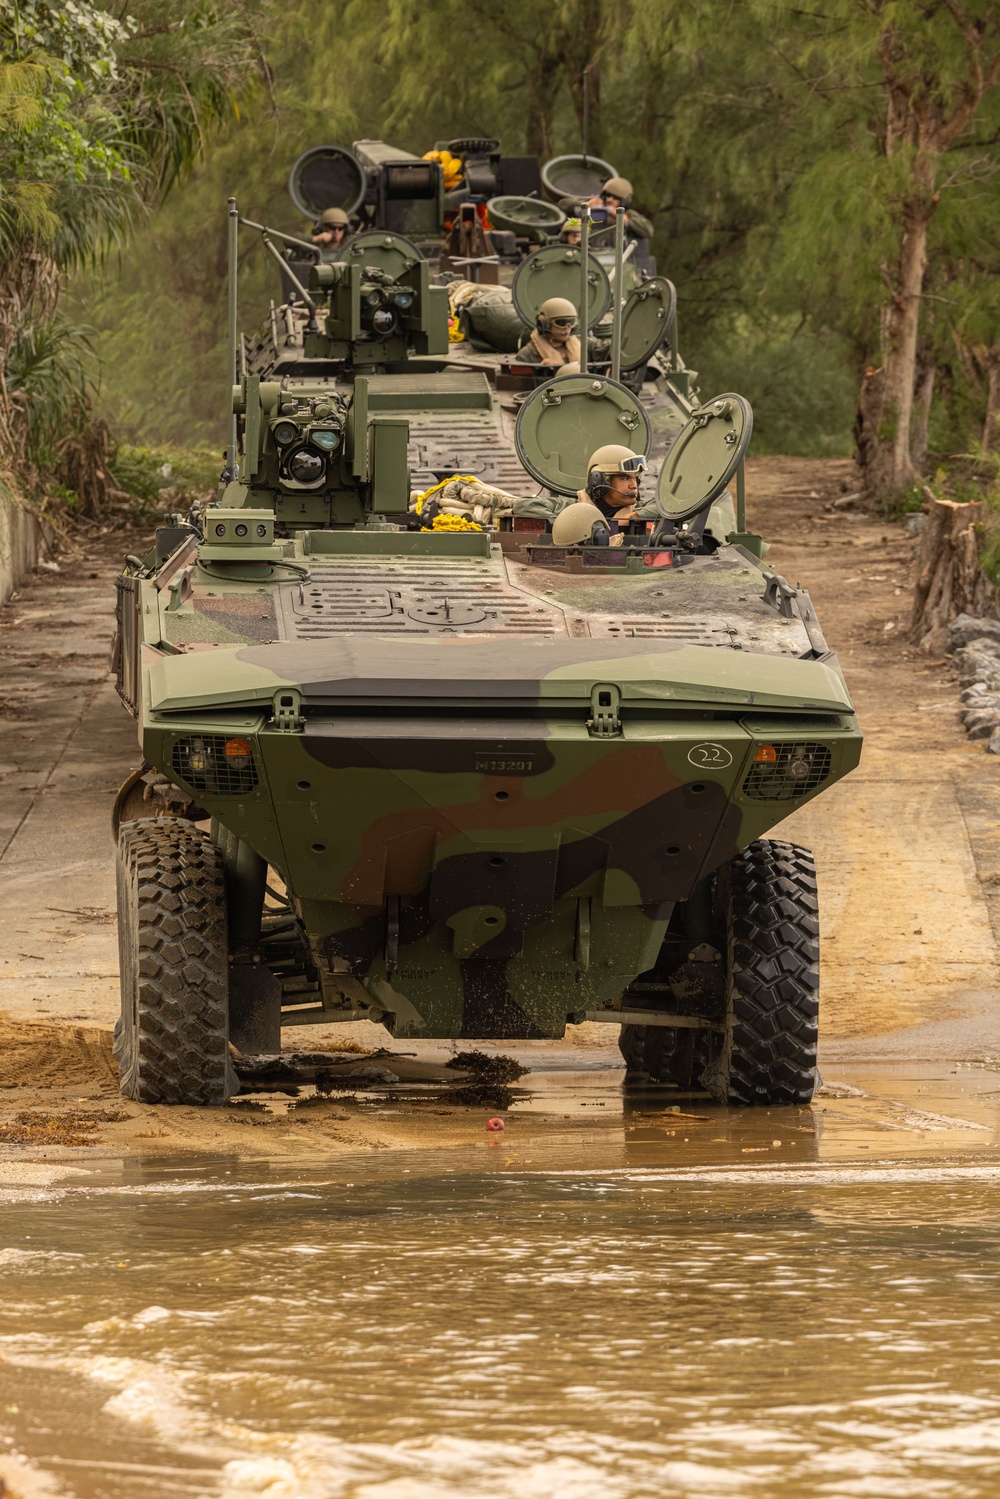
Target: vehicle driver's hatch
[
  {"x": 564, "y": 421},
  {"x": 708, "y": 451}
]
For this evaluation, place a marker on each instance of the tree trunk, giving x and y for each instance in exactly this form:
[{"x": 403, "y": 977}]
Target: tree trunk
[
  {"x": 891, "y": 469},
  {"x": 991, "y": 426},
  {"x": 543, "y": 87},
  {"x": 866, "y": 417},
  {"x": 949, "y": 579},
  {"x": 922, "y": 398}
]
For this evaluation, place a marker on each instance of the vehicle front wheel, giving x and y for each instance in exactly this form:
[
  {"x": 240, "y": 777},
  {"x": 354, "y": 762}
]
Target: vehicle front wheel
[
  {"x": 761, "y": 1049},
  {"x": 172, "y": 1040},
  {"x": 766, "y": 1052}
]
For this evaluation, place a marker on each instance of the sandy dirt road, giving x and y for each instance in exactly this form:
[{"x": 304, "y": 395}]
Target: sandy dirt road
[{"x": 907, "y": 848}]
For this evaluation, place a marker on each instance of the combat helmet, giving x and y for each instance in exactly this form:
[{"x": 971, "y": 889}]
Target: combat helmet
[
  {"x": 333, "y": 218},
  {"x": 608, "y": 461},
  {"x": 578, "y": 523},
  {"x": 551, "y": 309},
  {"x": 618, "y": 187}
]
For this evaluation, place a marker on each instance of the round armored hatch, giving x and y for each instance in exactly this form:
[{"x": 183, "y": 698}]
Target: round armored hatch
[
  {"x": 531, "y": 216},
  {"x": 578, "y": 177},
  {"x": 447, "y": 614},
  {"x": 705, "y": 456},
  {"x": 647, "y": 319},
  {"x": 554, "y": 271},
  {"x": 326, "y": 177},
  {"x": 564, "y": 421},
  {"x": 392, "y": 253}
]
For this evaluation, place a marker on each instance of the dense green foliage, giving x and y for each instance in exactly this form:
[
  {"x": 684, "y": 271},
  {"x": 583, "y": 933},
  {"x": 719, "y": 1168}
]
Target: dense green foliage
[
  {"x": 100, "y": 113},
  {"x": 781, "y": 151}
]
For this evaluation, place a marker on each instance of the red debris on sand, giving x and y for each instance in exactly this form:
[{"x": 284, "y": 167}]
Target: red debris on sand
[{"x": 493, "y": 1124}]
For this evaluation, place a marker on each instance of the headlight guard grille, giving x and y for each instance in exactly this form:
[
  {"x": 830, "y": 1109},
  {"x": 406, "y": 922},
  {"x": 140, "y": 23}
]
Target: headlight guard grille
[
  {"x": 796, "y": 769},
  {"x": 214, "y": 764}
]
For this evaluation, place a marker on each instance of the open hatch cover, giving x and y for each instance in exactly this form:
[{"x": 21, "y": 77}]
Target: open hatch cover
[
  {"x": 564, "y": 421},
  {"x": 554, "y": 271},
  {"x": 705, "y": 456},
  {"x": 648, "y": 317},
  {"x": 327, "y": 177},
  {"x": 531, "y": 216},
  {"x": 392, "y": 253}
]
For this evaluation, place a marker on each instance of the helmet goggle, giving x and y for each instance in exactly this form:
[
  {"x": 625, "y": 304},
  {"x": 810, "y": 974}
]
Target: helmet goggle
[
  {"x": 562, "y": 322},
  {"x": 636, "y": 465}
]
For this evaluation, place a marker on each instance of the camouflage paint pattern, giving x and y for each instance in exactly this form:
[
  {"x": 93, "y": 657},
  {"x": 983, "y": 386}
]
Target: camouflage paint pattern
[{"x": 466, "y": 854}]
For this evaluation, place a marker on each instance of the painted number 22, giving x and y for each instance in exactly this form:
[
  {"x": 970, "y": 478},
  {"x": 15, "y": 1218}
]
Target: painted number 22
[{"x": 710, "y": 756}]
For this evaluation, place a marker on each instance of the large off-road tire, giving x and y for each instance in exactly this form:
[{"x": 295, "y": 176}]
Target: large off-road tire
[
  {"x": 172, "y": 1041},
  {"x": 765, "y": 1053}
]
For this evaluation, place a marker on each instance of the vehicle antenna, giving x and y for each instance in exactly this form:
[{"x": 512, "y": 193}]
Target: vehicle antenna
[
  {"x": 584, "y": 285},
  {"x": 230, "y": 471},
  {"x": 586, "y": 114},
  {"x": 616, "y": 325}
]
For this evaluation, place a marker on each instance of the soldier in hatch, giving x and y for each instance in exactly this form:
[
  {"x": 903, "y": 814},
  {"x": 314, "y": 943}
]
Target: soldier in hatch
[
  {"x": 553, "y": 340},
  {"x": 617, "y": 193},
  {"x": 613, "y": 475},
  {"x": 613, "y": 484},
  {"x": 571, "y": 232},
  {"x": 331, "y": 232}
]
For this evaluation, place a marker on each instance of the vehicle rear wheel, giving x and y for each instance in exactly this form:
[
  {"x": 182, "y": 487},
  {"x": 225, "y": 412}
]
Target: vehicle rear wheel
[
  {"x": 765, "y": 1051},
  {"x": 172, "y": 1040},
  {"x": 664, "y": 1054}
]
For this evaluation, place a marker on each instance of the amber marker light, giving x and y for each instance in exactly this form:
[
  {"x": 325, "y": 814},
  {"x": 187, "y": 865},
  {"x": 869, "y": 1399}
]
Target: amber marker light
[
  {"x": 237, "y": 749},
  {"x": 766, "y": 754}
]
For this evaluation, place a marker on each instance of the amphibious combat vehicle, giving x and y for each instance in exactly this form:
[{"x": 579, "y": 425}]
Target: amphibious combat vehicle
[{"x": 480, "y": 784}]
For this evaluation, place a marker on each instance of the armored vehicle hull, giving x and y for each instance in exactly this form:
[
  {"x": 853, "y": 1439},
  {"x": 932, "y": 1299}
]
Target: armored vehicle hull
[{"x": 487, "y": 786}]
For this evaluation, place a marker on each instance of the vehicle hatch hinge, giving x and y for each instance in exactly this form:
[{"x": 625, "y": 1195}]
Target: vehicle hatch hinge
[
  {"x": 604, "y": 721},
  {"x": 287, "y": 716}
]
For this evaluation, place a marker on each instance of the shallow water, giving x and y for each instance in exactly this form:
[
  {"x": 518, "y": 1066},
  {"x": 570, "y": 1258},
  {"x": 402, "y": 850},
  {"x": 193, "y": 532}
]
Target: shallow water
[{"x": 475, "y": 1326}]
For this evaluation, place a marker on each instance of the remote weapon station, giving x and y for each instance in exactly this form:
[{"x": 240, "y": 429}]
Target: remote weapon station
[{"x": 478, "y": 783}]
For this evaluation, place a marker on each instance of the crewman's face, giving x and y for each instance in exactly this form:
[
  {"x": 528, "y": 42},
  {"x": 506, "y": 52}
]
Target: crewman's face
[
  {"x": 624, "y": 490},
  {"x": 611, "y": 203},
  {"x": 561, "y": 328},
  {"x": 572, "y": 236},
  {"x": 330, "y": 234}
]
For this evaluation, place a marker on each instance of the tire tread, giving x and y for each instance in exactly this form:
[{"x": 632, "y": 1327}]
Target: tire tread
[{"x": 173, "y": 943}]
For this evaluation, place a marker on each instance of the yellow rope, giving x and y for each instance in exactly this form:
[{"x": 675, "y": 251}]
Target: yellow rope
[{"x": 461, "y": 478}]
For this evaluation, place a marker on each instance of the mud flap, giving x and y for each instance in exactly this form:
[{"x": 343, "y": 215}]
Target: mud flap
[{"x": 254, "y": 1009}]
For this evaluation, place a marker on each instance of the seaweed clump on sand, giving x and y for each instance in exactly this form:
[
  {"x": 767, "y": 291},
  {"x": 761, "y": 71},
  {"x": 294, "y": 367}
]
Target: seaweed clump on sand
[{"x": 490, "y": 1077}]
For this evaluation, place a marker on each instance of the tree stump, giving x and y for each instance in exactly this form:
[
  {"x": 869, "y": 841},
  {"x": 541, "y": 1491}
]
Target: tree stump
[{"x": 950, "y": 580}]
